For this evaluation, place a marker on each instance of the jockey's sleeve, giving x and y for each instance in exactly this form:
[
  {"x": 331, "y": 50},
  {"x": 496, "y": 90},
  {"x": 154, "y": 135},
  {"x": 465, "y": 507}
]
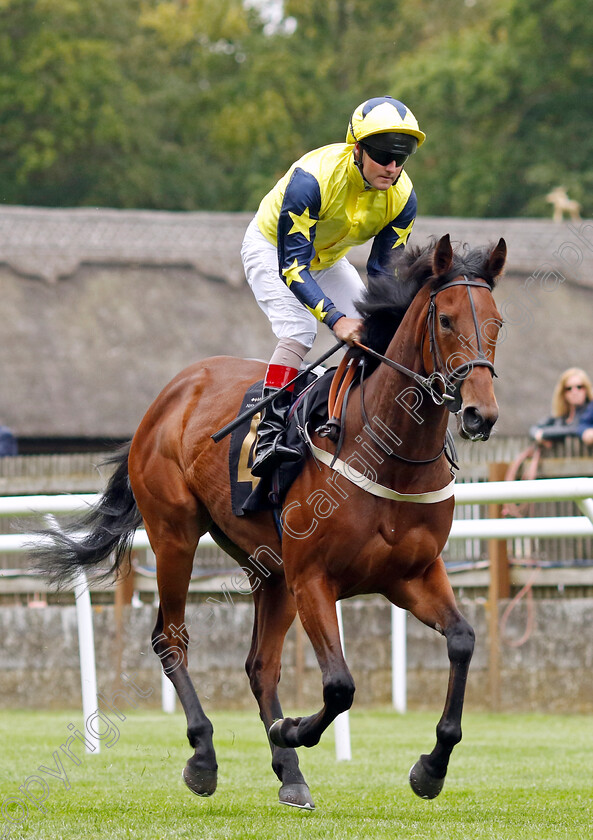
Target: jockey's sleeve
[
  {"x": 297, "y": 220},
  {"x": 393, "y": 236}
]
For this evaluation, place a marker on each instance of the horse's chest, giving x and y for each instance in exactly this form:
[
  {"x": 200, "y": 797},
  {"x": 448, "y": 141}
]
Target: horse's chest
[
  {"x": 370, "y": 567},
  {"x": 410, "y": 552}
]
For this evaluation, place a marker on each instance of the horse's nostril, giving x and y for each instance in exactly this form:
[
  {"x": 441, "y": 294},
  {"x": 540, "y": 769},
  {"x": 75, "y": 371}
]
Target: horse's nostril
[
  {"x": 472, "y": 419},
  {"x": 475, "y": 425}
]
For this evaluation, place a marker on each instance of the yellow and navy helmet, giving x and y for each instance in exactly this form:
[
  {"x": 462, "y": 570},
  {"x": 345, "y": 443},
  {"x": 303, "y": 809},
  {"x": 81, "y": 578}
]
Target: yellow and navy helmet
[{"x": 390, "y": 123}]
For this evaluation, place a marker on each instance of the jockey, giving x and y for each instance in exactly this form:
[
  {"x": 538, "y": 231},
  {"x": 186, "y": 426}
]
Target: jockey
[{"x": 293, "y": 252}]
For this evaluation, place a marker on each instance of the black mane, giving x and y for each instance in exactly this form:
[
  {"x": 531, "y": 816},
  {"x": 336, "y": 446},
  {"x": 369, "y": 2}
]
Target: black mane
[{"x": 387, "y": 298}]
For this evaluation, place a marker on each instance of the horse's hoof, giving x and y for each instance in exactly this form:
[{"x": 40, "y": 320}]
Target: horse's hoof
[
  {"x": 200, "y": 781},
  {"x": 275, "y": 733},
  {"x": 297, "y": 795},
  {"x": 423, "y": 784}
]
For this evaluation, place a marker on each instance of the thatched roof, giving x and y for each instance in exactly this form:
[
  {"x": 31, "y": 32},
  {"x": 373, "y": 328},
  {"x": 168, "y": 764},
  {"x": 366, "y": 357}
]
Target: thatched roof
[
  {"x": 102, "y": 307},
  {"x": 51, "y": 244}
]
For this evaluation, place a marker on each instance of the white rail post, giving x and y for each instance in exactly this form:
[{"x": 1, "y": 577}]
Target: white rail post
[
  {"x": 342, "y": 722},
  {"x": 578, "y": 489},
  {"x": 168, "y": 693},
  {"x": 399, "y": 688},
  {"x": 586, "y": 507},
  {"x": 86, "y": 644}
]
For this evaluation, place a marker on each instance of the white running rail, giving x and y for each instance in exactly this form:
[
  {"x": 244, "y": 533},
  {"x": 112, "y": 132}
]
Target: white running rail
[{"x": 579, "y": 490}]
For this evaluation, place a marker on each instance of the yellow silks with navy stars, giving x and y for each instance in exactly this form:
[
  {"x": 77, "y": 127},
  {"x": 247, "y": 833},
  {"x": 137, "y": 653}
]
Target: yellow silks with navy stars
[{"x": 320, "y": 209}]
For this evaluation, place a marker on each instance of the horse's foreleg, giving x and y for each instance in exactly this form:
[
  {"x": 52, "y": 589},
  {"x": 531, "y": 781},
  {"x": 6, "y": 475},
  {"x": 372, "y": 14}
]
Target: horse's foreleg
[
  {"x": 316, "y": 603},
  {"x": 275, "y": 610},
  {"x": 427, "y": 776},
  {"x": 433, "y": 603}
]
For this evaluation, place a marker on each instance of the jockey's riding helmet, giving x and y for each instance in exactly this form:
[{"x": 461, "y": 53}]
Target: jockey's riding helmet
[{"x": 387, "y": 125}]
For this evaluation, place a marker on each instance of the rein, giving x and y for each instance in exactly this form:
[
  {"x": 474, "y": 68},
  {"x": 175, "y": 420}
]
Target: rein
[
  {"x": 452, "y": 380},
  {"x": 360, "y": 480},
  {"x": 450, "y": 395},
  {"x": 387, "y": 449}
]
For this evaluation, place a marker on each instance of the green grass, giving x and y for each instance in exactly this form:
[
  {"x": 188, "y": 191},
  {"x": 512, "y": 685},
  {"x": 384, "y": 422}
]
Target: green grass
[{"x": 515, "y": 777}]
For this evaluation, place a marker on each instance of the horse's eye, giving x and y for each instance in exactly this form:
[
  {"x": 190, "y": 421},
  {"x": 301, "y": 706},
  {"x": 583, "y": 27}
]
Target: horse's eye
[{"x": 445, "y": 322}]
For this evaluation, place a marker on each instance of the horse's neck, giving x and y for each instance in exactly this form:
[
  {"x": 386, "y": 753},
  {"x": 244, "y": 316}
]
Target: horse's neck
[{"x": 394, "y": 401}]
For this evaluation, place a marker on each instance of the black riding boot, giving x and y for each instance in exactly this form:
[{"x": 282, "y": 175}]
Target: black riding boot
[{"x": 270, "y": 450}]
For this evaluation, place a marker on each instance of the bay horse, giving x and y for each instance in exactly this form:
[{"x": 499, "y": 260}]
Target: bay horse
[{"x": 432, "y": 332}]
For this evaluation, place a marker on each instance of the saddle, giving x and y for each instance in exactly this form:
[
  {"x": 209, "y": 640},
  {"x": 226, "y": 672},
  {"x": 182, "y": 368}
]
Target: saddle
[{"x": 319, "y": 402}]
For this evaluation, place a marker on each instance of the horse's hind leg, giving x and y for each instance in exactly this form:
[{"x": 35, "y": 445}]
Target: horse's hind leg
[
  {"x": 432, "y": 601},
  {"x": 174, "y": 541},
  {"x": 274, "y": 613},
  {"x": 200, "y": 772}
]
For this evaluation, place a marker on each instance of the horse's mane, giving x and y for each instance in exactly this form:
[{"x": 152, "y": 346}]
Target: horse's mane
[{"x": 388, "y": 297}]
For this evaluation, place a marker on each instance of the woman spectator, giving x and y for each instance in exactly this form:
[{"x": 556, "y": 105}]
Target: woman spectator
[{"x": 572, "y": 395}]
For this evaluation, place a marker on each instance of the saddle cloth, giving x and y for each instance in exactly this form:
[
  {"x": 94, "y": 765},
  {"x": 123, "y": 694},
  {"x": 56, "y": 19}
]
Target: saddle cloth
[{"x": 248, "y": 493}]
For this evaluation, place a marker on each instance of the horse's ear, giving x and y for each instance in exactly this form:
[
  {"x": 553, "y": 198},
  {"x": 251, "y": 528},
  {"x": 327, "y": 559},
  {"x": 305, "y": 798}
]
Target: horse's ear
[
  {"x": 442, "y": 259},
  {"x": 497, "y": 258}
]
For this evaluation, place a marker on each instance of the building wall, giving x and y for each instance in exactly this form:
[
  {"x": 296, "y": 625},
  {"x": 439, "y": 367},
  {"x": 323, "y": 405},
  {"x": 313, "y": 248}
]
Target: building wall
[
  {"x": 551, "y": 672},
  {"x": 86, "y": 357},
  {"x": 101, "y": 308}
]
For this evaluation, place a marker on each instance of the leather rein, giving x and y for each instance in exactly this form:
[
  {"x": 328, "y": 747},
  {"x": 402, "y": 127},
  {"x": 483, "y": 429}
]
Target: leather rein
[{"x": 450, "y": 381}]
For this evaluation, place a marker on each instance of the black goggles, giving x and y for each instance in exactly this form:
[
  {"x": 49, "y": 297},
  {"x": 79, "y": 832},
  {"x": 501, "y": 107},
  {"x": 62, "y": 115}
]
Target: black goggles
[{"x": 384, "y": 158}]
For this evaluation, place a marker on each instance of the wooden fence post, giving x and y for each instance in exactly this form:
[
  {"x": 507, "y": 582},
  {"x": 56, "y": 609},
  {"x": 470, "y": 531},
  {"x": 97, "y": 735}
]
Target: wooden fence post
[{"x": 499, "y": 587}]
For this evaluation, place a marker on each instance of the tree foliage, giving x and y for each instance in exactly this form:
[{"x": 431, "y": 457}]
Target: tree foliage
[
  {"x": 505, "y": 105},
  {"x": 197, "y": 104}
]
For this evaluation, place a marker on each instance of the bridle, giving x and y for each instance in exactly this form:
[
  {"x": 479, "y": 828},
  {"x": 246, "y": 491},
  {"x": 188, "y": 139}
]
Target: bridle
[
  {"x": 450, "y": 381},
  {"x": 450, "y": 395},
  {"x": 453, "y": 379}
]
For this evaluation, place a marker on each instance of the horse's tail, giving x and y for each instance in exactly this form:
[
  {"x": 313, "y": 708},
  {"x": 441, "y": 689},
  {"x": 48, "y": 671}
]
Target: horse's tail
[{"x": 105, "y": 531}]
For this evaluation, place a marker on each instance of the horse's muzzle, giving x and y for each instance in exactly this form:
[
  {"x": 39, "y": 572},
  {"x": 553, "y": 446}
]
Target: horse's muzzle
[{"x": 473, "y": 425}]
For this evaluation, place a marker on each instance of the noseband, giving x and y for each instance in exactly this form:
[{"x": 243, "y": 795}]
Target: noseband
[
  {"x": 453, "y": 379},
  {"x": 450, "y": 381}
]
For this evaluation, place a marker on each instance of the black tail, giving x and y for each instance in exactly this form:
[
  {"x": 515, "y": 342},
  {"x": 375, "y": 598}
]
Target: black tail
[{"x": 105, "y": 531}]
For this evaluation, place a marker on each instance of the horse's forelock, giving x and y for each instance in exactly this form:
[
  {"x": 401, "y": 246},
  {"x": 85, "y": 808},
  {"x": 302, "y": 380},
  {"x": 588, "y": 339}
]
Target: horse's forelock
[
  {"x": 472, "y": 263},
  {"x": 388, "y": 297}
]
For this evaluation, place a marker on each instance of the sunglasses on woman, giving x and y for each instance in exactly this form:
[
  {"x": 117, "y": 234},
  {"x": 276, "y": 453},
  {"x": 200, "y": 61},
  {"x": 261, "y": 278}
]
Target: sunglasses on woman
[{"x": 574, "y": 387}]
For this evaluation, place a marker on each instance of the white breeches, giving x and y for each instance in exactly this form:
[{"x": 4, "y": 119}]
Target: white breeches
[{"x": 287, "y": 315}]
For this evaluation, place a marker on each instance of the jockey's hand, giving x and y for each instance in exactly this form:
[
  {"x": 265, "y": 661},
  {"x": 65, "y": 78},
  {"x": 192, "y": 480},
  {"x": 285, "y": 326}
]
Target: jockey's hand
[{"x": 348, "y": 329}]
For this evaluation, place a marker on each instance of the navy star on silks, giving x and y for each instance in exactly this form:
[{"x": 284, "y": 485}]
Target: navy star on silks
[
  {"x": 298, "y": 217},
  {"x": 402, "y": 234},
  {"x": 393, "y": 236},
  {"x": 382, "y": 100},
  {"x": 302, "y": 224}
]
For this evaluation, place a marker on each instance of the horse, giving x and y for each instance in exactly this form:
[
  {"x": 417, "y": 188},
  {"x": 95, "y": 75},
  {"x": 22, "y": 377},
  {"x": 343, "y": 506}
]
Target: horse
[
  {"x": 430, "y": 335},
  {"x": 558, "y": 198}
]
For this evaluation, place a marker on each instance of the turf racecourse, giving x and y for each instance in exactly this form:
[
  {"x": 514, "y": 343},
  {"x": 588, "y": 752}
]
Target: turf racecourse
[{"x": 513, "y": 776}]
